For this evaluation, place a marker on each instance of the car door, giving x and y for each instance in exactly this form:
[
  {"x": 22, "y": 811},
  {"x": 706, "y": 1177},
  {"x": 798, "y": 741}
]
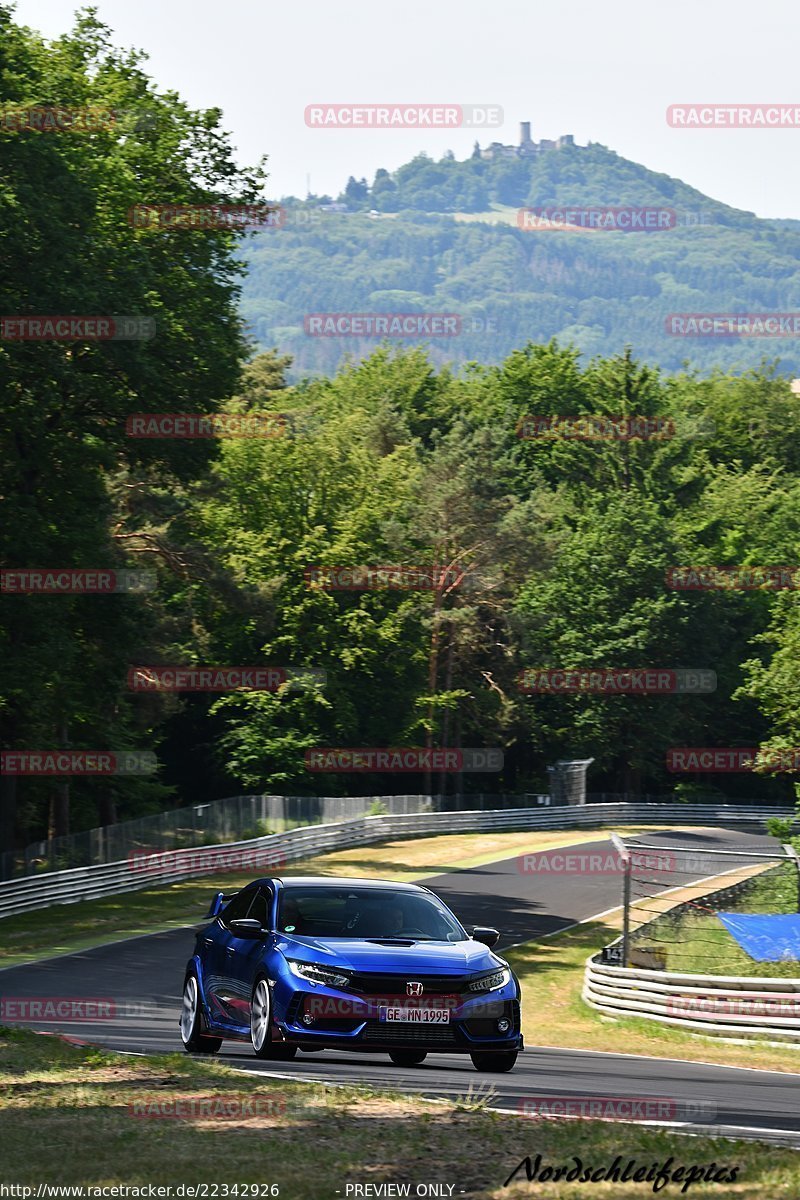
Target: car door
[
  {"x": 219, "y": 947},
  {"x": 245, "y": 955}
]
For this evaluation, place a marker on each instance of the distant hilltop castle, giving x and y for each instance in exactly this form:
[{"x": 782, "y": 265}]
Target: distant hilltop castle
[{"x": 526, "y": 147}]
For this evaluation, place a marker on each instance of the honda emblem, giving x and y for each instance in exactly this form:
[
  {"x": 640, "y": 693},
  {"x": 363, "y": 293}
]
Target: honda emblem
[{"x": 413, "y": 989}]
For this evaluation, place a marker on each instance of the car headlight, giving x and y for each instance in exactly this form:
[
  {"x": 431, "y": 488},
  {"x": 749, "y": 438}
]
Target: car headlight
[
  {"x": 318, "y": 974},
  {"x": 490, "y": 983}
]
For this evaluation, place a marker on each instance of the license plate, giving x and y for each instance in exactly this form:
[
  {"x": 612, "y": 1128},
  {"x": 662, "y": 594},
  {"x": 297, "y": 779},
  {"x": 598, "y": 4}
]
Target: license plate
[{"x": 417, "y": 1016}]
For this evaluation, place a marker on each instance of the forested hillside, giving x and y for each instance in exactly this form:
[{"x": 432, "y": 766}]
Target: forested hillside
[{"x": 444, "y": 237}]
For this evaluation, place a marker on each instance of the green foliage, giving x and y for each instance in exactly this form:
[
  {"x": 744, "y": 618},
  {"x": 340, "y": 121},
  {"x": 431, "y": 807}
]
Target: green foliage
[
  {"x": 72, "y": 478},
  {"x": 566, "y": 545},
  {"x": 557, "y": 547}
]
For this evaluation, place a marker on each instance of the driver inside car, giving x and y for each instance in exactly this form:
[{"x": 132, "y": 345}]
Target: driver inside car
[
  {"x": 392, "y": 921},
  {"x": 377, "y": 921}
]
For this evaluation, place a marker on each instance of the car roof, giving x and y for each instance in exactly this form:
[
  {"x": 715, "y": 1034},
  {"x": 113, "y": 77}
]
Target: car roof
[{"x": 332, "y": 881}]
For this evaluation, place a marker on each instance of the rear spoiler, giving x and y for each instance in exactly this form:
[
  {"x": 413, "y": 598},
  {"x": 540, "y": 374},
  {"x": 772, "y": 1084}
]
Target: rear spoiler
[{"x": 218, "y": 903}]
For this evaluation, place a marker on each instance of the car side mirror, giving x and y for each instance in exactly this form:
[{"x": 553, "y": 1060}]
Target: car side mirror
[
  {"x": 483, "y": 933},
  {"x": 247, "y": 927}
]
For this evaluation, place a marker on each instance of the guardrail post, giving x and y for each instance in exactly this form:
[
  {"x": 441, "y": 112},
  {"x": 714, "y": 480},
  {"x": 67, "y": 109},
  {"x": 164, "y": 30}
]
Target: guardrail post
[
  {"x": 792, "y": 854},
  {"x": 624, "y": 854}
]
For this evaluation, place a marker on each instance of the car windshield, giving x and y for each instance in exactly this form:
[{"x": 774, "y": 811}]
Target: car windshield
[{"x": 380, "y": 913}]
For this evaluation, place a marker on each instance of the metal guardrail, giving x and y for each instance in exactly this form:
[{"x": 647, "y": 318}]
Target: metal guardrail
[
  {"x": 722, "y": 1005},
  {"x": 236, "y": 818},
  {"x": 267, "y": 854}
]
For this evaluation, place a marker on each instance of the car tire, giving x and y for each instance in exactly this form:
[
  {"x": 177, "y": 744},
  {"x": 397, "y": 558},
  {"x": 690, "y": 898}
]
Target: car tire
[
  {"x": 495, "y": 1062},
  {"x": 407, "y": 1058},
  {"x": 261, "y": 1025},
  {"x": 191, "y": 1021}
]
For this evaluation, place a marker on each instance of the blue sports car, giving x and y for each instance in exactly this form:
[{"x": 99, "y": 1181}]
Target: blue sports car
[{"x": 310, "y": 963}]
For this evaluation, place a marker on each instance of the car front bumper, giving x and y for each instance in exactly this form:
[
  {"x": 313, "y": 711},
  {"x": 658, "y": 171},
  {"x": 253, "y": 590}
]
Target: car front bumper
[{"x": 325, "y": 1018}]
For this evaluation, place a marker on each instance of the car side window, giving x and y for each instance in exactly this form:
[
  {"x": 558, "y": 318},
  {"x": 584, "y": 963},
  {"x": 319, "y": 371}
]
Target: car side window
[
  {"x": 259, "y": 909},
  {"x": 237, "y": 907}
]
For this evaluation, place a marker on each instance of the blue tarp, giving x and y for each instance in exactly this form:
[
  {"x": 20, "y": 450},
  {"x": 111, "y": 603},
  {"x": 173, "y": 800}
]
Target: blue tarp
[{"x": 765, "y": 938}]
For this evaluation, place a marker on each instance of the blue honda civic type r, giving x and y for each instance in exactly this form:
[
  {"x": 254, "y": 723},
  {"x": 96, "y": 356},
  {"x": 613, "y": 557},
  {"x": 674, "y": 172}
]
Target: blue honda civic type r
[{"x": 312, "y": 963}]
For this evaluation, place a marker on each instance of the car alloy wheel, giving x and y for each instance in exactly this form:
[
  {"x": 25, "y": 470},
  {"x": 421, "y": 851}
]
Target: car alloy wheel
[
  {"x": 189, "y": 1010},
  {"x": 194, "y": 1042},
  {"x": 261, "y": 1025},
  {"x": 260, "y": 1010}
]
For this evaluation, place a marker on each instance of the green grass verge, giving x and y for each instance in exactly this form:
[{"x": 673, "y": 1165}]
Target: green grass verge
[{"x": 73, "y": 1116}]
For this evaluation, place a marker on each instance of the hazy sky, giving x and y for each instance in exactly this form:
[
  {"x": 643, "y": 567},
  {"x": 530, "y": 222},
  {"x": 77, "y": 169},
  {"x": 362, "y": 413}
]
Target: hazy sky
[{"x": 604, "y": 72}]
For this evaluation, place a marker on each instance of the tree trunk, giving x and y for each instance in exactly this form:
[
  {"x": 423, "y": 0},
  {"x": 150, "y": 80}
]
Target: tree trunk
[
  {"x": 433, "y": 672},
  {"x": 448, "y": 683},
  {"x": 60, "y": 800},
  {"x": 8, "y": 815},
  {"x": 632, "y": 782},
  {"x": 107, "y": 810}
]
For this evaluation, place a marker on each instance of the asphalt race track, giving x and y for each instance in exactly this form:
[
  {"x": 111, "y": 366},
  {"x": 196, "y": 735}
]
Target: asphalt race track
[{"x": 142, "y": 978}]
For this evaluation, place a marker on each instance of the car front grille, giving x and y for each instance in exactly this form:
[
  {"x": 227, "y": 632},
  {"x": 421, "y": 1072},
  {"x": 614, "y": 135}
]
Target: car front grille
[
  {"x": 395, "y": 1033},
  {"x": 395, "y": 985}
]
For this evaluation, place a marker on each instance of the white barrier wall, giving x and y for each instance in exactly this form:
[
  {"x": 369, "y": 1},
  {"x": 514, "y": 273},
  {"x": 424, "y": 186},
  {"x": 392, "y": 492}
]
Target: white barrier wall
[{"x": 722, "y": 1005}]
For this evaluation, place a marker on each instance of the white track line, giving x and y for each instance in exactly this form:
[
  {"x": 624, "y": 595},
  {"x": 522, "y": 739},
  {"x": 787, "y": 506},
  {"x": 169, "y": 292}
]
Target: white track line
[{"x": 788, "y": 1137}]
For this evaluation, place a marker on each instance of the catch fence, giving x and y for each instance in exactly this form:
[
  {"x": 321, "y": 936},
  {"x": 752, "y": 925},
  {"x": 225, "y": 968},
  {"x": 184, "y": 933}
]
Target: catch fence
[
  {"x": 241, "y": 818},
  {"x": 671, "y": 895}
]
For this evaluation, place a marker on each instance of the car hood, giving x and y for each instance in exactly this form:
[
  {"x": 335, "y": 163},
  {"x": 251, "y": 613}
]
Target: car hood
[{"x": 439, "y": 958}]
